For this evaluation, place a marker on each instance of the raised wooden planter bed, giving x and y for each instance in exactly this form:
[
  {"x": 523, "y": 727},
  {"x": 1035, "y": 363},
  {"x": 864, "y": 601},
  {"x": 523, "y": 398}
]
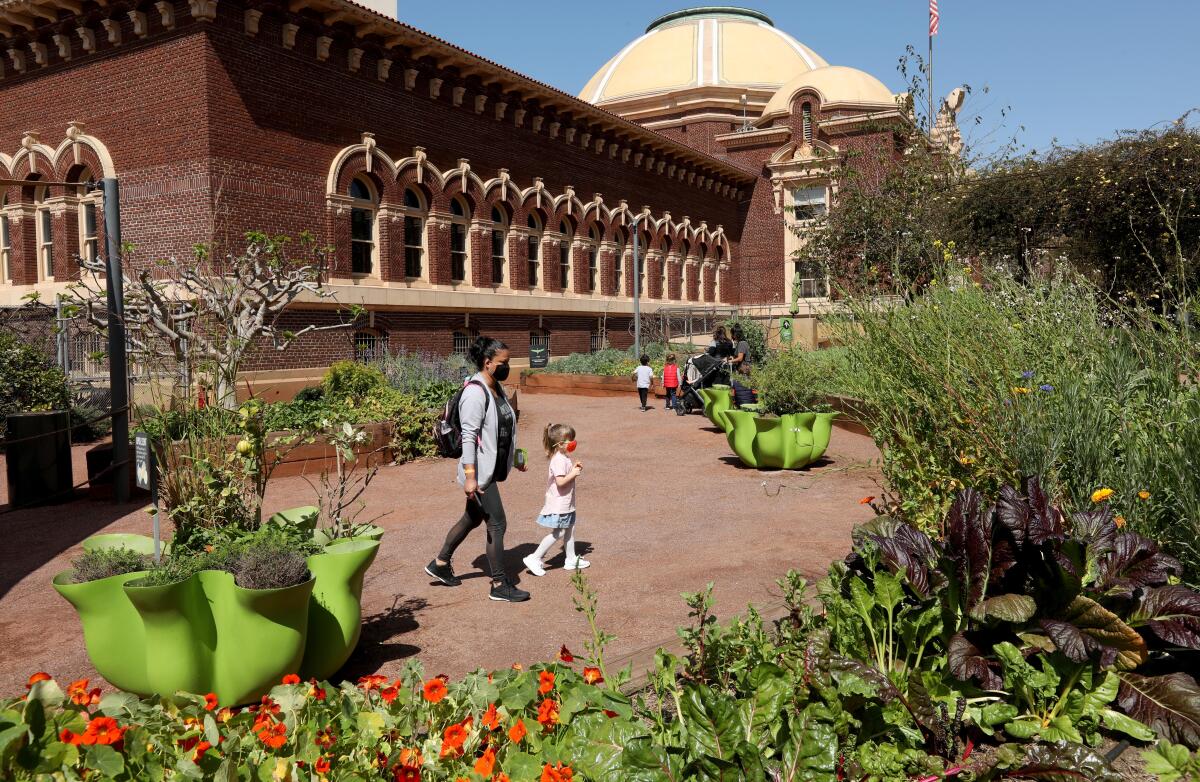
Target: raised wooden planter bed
[
  {"x": 312, "y": 458},
  {"x": 583, "y": 385}
]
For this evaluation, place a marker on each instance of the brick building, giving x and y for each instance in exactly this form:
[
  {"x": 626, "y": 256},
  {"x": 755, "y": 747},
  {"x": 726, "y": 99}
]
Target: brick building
[{"x": 459, "y": 196}]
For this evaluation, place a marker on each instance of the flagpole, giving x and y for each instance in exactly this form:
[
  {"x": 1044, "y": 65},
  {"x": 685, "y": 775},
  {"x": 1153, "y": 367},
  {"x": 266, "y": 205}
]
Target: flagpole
[{"x": 930, "y": 87}]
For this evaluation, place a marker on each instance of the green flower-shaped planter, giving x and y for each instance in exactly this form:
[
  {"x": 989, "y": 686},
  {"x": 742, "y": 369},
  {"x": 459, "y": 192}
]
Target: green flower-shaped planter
[
  {"x": 787, "y": 442},
  {"x": 206, "y": 634},
  {"x": 717, "y": 399}
]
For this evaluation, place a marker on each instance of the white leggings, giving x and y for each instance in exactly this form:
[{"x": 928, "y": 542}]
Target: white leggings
[{"x": 565, "y": 534}]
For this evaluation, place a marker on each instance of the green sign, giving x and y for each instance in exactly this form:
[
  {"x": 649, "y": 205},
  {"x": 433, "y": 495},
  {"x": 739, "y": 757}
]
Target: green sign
[{"x": 785, "y": 329}]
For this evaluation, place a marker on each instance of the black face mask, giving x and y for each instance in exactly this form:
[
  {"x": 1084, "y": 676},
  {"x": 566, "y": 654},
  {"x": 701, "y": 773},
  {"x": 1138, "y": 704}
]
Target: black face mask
[{"x": 500, "y": 372}]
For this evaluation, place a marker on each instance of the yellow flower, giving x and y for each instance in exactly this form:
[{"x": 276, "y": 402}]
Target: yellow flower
[
  {"x": 964, "y": 459},
  {"x": 1100, "y": 495},
  {"x": 1020, "y": 390},
  {"x": 1119, "y": 521},
  {"x": 1143, "y": 495}
]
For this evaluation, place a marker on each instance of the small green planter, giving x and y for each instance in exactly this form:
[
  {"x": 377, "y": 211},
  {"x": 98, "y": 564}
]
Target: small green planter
[
  {"x": 717, "y": 399},
  {"x": 784, "y": 443},
  {"x": 206, "y": 634}
]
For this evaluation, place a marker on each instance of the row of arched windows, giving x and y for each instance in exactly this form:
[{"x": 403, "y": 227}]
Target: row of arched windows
[
  {"x": 365, "y": 245},
  {"x": 81, "y": 203}
]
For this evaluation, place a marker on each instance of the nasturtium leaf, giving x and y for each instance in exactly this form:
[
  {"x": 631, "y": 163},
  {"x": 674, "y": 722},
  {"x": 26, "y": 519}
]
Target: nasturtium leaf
[
  {"x": 1169, "y": 705},
  {"x": 211, "y": 734},
  {"x": 105, "y": 759}
]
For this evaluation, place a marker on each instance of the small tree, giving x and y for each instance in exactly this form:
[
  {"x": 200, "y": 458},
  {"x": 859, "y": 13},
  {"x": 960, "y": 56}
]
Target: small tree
[{"x": 209, "y": 314}]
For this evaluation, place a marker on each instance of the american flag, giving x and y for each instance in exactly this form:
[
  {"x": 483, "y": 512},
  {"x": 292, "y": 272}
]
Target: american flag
[{"x": 933, "y": 18}]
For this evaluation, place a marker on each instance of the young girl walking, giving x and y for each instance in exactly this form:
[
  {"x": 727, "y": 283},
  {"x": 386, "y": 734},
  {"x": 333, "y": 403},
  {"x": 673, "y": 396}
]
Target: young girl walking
[{"x": 558, "y": 511}]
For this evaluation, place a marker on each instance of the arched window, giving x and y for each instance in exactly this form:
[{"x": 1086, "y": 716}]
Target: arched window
[
  {"x": 414, "y": 234},
  {"x": 596, "y": 340},
  {"x": 618, "y": 262},
  {"x": 89, "y": 231},
  {"x": 593, "y": 257},
  {"x": 460, "y": 226},
  {"x": 665, "y": 280},
  {"x": 362, "y": 226},
  {"x": 5, "y": 244},
  {"x": 564, "y": 254},
  {"x": 45, "y": 233},
  {"x": 499, "y": 245},
  {"x": 535, "y": 249},
  {"x": 369, "y": 346},
  {"x": 806, "y": 119}
]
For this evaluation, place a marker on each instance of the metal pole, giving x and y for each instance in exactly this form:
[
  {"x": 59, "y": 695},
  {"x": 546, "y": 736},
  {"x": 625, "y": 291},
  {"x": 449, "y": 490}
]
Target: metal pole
[
  {"x": 637, "y": 299},
  {"x": 118, "y": 374},
  {"x": 931, "y": 83}
]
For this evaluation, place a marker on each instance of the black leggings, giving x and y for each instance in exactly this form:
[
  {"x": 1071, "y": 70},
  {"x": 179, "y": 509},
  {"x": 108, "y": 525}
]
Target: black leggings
[
  {"x": 484, "y": 506},
  {"x": 643, "y": 394}
]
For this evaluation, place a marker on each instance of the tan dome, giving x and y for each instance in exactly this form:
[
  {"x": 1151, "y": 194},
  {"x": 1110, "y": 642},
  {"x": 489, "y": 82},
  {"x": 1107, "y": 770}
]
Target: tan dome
[
  {"x": 837, "y": 85},
  {"x": 702, "y": 48}
]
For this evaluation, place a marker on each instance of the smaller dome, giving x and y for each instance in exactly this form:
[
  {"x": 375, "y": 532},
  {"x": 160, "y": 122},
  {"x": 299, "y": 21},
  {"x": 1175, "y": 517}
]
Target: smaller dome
[{"x": 837, "y": 85}]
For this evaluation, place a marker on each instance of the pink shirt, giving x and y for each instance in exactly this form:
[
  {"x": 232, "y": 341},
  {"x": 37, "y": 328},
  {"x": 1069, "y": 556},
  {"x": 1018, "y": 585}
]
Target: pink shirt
[{"x": 558, "y": 501}]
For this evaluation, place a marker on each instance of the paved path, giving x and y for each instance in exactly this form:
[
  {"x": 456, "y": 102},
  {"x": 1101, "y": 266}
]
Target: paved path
[{"x": 664, "y": 508}]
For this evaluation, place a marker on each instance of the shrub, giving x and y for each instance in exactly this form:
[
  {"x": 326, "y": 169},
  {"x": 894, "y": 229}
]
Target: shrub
[
  {"x": 350, "y": 379},
  {"x": 798, "y": 380},
  {"x": 428, "y": 378},
  {"x": 89, "y": 423},
  {"x": 310, "y": 394},
  {"x": 268, "y": 562},
  {"x": 29, "y": 381},
  {"x": 102, "y": 563},
  {"x": 983, "y": 384},
  {"x": 269, "y": 558}
]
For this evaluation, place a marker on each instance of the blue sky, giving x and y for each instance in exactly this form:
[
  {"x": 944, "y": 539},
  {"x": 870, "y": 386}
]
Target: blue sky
[{"x": 1076, "y": 70}]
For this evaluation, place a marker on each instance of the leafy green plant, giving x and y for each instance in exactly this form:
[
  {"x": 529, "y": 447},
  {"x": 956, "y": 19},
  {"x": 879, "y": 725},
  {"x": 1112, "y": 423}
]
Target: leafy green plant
[
  {"x": 753, "y": 333},
  {"x": 351, "y": 379},
  {"x": 798, "y": 380},
  {"x": 102, "y": 563},
  {"x": 1172, "y": 762},
  {"x": 29, "y": 381},
  {"x": 340, "y": 490}
]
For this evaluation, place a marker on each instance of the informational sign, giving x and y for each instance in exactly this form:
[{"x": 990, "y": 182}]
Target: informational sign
[
  {"x": 539, "y": 356},
  {"x": 143, "y": 459},
  {"x": 785, "y": 329}
]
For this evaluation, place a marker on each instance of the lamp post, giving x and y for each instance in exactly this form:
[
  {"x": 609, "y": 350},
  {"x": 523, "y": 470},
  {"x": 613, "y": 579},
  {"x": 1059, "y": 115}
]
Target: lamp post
[
  {"x": 637, "y": 289},
  {"x": 117, "y": 367}
]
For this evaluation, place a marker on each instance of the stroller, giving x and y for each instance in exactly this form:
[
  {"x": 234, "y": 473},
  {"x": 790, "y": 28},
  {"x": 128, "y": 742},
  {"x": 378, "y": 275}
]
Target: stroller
[{"x": 700, "y": 371}]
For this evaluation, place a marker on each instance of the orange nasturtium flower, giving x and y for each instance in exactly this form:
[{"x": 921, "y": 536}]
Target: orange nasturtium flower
[
  {"x": 517, "y": 732},
  {"x": 486, "y": 763},
  {"x": 78, "y": 692},
  {"x": 67, "y": 737},
  {"x": 210, "y": 701},
  {"x": 389, "y": 693},
  {"x": 322, "y": 765},
  {"x": 201, "y": 748},
  {"x": 557, "y": 773},
  {"x": 372, "y": 682},
  {"x": 491, "y": 717},
  {"x": 103, "y": 730},
  {"x": 291, "y": 678},
  {"x": 1119, "y": 521},
  {"x": 866, "y": 500},
  {"x": 545, "y": 682},
  {"x": 1143, "y": 495},
  {"x": 500, "y": 777},
  {"x": 435, "y": 689},
  {"x": 407, "y": 774},
  {"x": 592, "y": 676},
  {"x": 411, "y": 758},
  {"x": 548, "y": 713},
  {"x": 274, "y": 736},
  {"x": 226, "y": 714},
  {"x": 40, "y": 676},
  {"x": 1100, "y": 495},
  {"x": 564, "y": 654},
  {"x": 315, "y": 690},
  {"x": 453, "y": 739}
]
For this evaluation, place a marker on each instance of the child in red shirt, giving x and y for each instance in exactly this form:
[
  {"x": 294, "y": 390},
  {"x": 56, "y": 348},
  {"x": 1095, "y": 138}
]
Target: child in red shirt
[{"x": 671, "y": 380}]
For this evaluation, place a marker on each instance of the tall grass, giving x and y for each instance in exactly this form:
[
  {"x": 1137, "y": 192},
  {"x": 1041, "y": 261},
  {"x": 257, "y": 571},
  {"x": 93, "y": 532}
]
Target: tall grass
[{"x": 982, "y": 383}]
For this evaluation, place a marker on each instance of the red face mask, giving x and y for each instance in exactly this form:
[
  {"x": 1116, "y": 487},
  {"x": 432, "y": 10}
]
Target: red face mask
[{"x": 571, "y": 446}]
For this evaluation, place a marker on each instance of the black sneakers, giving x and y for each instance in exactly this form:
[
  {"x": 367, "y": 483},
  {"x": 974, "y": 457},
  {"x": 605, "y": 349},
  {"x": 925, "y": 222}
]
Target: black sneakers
[
  {"x": 443, "y": 573},
  {"x": 507, "y": 593}
]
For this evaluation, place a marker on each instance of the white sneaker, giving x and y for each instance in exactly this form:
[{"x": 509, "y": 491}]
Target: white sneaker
[
  {"x": 534, "y": 565},
  {"x": 579, "y": 563}
]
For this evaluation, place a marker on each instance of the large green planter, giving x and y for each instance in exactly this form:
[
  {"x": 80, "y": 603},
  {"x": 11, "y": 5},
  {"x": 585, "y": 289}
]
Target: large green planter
[
  {"x": 787, "y": 442},
  {"x": 206, "y": 634},
  {"x": 717, "y": 399}
]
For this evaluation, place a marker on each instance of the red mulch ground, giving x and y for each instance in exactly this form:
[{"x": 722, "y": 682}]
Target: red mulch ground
[{"x": 664, "y": 508}]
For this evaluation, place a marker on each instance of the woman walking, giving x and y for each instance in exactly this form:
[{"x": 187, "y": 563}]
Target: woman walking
[{"x": 489, "y": 445}]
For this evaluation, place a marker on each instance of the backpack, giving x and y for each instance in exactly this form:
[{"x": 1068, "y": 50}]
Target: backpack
[{"x": 447, "y": 429}]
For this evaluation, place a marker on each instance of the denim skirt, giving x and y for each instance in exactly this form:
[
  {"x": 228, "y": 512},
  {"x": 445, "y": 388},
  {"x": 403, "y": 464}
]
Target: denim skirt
[{"x": 557, "y": 520}]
